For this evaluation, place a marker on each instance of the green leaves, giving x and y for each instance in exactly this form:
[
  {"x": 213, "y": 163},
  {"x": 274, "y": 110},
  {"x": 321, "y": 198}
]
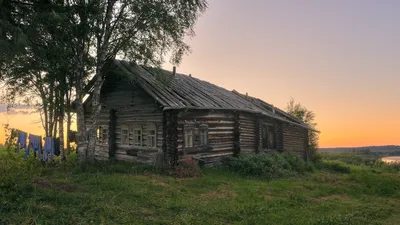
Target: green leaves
[{"x": 307, "y": 116}]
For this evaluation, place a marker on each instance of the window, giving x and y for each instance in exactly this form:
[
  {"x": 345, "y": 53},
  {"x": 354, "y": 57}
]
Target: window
[
  {"x": 268, "y": 136},
  {"x": 188, "y": 137},
  {"x": 203, "y": 135},
  {"x": 271, "y": 137},
  {"x": 151, "y": 137},
  {"x": 102, "y": 135},
  {"x": 124, "y": 135},
  {"x": 137, "y": 137}
]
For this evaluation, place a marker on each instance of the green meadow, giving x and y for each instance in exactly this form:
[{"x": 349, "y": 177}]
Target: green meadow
[{"x": 123, "y": 193}]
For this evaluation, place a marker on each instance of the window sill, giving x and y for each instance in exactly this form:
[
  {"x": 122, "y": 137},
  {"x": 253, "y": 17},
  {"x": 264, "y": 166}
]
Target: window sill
[
  {"x": 133, "y": 150},
  {"x": 198, "y": 149},
  {"x": 269, "y": 149}
]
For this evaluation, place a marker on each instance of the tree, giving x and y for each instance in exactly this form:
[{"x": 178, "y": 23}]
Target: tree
[
  {"x": 143, "y": 31},
  {"x": 307, "y": 116},
  {"x": 42, "y": 69},
  {"x": 87, "y": 34}
]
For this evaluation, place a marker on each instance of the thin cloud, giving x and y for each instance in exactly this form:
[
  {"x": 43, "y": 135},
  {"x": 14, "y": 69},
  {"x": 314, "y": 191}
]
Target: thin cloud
[{"x": 14, "y": 111}]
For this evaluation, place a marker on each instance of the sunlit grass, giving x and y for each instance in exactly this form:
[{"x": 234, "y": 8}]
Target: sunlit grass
[{"x": 123, "y": 193}]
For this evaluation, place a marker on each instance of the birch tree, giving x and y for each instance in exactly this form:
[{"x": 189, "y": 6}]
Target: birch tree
[
  {"x": 87, "y": 34},
  {"x": 143, "y": 31}
]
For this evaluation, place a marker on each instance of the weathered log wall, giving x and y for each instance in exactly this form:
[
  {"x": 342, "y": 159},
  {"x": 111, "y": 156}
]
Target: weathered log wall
[
  {"x": 294, "y": 139},
  {"x": 133, "y": 108},
  {"x": 278, "y": 134},
  {"x": 249, "y": 133},
  {"x": 220, "y": 134}
]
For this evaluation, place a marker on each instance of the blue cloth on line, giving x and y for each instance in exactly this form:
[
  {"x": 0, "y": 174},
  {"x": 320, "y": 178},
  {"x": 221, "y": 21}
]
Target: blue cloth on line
[
  {"x": 21, "y": 142},
  {"x": 35, "y": 142},
  {"x": 48, "y": 148}
]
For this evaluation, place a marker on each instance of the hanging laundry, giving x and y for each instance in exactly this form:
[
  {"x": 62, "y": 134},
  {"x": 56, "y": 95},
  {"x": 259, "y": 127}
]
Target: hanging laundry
[
  {"x": 48, "y": 148},
  {"x": 21, "y": 142},
  {"x": 57, "y": 147},
  {"x": 35, "y": 142}
]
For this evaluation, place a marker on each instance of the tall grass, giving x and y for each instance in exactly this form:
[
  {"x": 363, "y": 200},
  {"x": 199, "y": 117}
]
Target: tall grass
[
  {"x": 128, "y": 193},
  {"x": 268, "y": 165}
]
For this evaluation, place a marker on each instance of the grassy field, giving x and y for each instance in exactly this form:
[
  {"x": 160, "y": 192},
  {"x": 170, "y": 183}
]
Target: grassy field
[{"x": 124, "y": 193}]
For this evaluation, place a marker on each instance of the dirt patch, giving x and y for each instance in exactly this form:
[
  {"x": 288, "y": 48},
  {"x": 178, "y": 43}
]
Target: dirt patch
[
  {"x": 159, "y": 183},
  {"x": 154, "y": 179},
  {"x": 53, "y": 185},
  {"x": 222, "y": 191},
  {"x": 298, "y": 188},
  {"x": 329, "y": 198}
]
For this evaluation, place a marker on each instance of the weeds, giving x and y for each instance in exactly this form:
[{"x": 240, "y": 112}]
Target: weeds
[
  {"x": 187, "y": 168},
  {"x": 268, "y": 165},
  {"x": 334, "y": 166},
  {"x": 128, "y": 193}
]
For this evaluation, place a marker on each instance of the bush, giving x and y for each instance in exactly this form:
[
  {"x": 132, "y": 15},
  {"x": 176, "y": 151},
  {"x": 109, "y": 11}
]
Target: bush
[
  {"x": 334, "y": 166},
  {"x": 346, "y": 157},
  {"x": 268, "y": 165},
  {"x": 388, "y": 167},
  {"x": 187, "y": 168}
]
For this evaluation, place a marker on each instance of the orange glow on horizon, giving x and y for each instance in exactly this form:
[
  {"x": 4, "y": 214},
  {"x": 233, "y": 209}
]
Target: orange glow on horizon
[{"x": 349, "y": 133}]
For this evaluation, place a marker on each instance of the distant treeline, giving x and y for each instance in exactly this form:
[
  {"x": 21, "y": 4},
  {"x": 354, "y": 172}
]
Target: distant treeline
[{"x": 386, "y": 148}]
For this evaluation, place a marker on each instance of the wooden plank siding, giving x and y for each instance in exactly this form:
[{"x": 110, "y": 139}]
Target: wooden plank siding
[
  {"x": 295, "y": 139},
  {"x": 249, "y": 133},
  {"x": 220, "y": 134},
  {"x": 234, "y": 122},
  {"x": 134, "y": 108}
]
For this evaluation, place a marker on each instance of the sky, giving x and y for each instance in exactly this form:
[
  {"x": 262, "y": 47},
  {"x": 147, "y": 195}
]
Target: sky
[{"x": 341, "y": 59}]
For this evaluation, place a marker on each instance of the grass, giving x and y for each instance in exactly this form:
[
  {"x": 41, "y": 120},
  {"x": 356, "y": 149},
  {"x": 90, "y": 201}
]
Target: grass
[{"x": 123, "y": 193}]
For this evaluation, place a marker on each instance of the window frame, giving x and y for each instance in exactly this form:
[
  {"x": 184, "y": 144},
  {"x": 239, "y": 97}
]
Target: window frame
[
  {"x": 137, "y": 128},
  {"x": 272, "y": 126},
  {"x": 269, "y": 128},
  {"x": 152, "y": 127},
  {"x": 102, "y": 134},
  {"x": 122, "y": 129},
  {"x": 203, "y": 128},
  {"x": 191, "y": 130}
]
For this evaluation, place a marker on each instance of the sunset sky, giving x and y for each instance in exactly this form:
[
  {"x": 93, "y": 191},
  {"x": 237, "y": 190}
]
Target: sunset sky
[{"x": 339, "y": 58}]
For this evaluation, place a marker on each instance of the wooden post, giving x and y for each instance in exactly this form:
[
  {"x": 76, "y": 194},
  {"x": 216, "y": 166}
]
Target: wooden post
[
  {"x": 165, "y": 136},
  {"x": 279, "y": 134},
  {"x": 307, "y": 146},
  {"x": 172, "y": 137},
  {"x": 111, "y": 134},
  {"x": 236, "y": 148},
  {"x": 258, "y": 135}
]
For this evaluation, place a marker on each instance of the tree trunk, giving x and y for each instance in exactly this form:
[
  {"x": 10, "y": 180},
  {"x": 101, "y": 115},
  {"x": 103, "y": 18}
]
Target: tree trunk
[
  {"x": 96, "y": 107},
  {"x": 68, "y": 111},
  {"x": 50, "y": 110},
  {"x": 68, "y": 132},
  {"x": 61, "y": 126},
  {"x": 80, "y": 114}
]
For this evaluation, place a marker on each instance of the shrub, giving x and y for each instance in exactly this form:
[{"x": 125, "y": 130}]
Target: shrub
[
  {"x": 334, "y": 166},
  {"x": 388, "y": 167},
  {"x": 267, "y": 165},
  {"x": 346, "y": 157},
  {"x": 187, "y": 168}
]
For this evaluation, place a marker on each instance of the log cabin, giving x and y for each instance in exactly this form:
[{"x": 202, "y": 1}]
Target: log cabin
[{"x": 155, "y": 116}]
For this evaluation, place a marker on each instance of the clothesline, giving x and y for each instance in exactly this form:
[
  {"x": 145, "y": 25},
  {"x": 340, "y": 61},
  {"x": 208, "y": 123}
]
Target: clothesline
[{"x": 43, "y": 152}]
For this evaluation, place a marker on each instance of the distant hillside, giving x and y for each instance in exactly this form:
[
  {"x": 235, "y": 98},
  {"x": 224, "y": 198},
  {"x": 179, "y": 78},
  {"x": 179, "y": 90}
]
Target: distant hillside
[{"x": 386, "y": 148}]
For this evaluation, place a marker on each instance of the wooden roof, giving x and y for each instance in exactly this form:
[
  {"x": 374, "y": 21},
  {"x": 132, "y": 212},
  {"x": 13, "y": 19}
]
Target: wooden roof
[{"x": 187, "y": 92}]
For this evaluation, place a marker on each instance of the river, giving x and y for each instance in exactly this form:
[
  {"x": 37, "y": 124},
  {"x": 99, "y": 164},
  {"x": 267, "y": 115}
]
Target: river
[{"x": 391, "y": 159}]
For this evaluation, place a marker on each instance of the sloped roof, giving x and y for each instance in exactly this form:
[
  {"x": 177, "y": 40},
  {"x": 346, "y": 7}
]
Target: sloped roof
[{"x": 184, "y": 91}]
